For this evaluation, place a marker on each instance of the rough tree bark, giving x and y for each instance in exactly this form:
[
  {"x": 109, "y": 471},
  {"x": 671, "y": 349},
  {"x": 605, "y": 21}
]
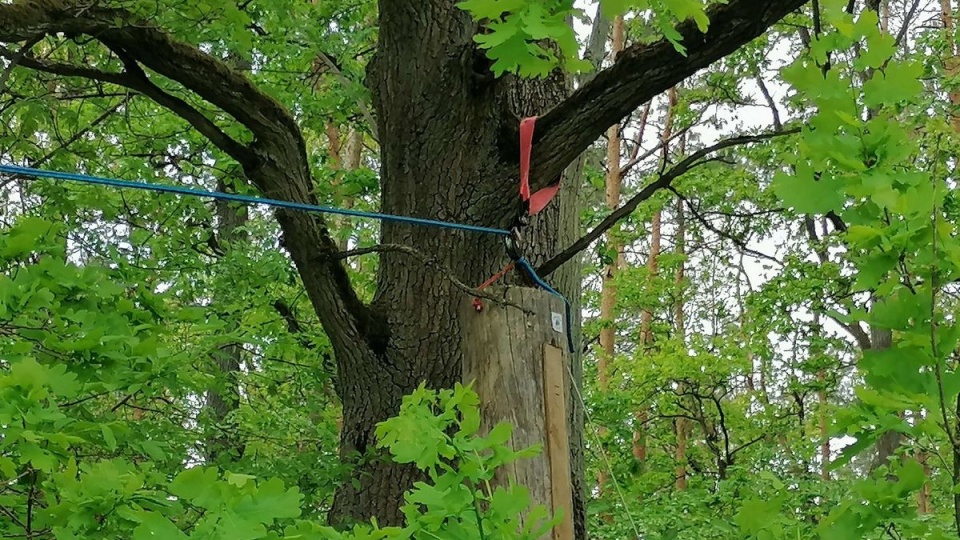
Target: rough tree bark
[{"x": 448, "y": 141}]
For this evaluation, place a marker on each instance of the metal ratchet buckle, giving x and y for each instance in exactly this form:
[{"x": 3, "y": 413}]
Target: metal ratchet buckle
[{"x": 513, "y": 244}]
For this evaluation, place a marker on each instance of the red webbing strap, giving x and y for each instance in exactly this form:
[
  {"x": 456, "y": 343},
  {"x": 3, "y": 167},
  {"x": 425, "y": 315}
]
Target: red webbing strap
[
  {"x": 542, "y": 198},
  {"x": 535, "y": 203},
  {"x": 477, "y": 303},
  {"x": 539, "y": 200}
]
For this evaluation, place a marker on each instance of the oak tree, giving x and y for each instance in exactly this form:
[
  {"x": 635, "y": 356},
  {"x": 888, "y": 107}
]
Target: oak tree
[{"x": 446, "y": 108}]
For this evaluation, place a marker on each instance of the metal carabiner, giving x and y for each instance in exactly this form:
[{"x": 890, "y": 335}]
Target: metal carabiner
[{"x": 514, "y": 244}]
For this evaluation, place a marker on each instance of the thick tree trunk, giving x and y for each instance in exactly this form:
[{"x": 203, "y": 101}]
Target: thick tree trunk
[{"x": 441, "y": 119}]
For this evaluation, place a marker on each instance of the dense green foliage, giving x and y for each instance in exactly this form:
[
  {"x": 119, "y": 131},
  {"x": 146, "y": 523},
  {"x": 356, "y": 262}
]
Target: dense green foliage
[{"x": 119, "y": 310}]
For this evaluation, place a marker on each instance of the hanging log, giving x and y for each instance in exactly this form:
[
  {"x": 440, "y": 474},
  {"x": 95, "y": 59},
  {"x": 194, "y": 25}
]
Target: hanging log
[{"x": 515, "y": 357}]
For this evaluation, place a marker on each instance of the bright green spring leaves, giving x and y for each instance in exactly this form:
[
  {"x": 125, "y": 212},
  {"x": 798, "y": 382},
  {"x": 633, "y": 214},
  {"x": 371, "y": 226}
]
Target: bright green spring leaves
[
  {"x": 459, "y": 501},
  {"x": 437, "y": 432},
  {"x": 72, "y": 335},
  {"x": 516, "y": 32},
  {"x": 665, "y": 14},
  {"x": 869, "y": 155}
]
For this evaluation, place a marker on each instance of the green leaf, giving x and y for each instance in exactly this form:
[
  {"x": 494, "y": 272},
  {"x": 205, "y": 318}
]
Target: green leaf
[
  {"x": 198, "y": 485},
  {"x": 898, "y": 82},
  {"x": 880, "y": 48},
  {"x": 862, "y": 234},
  {"x": 154, "y": 526},
  {"x": 511, "y": 501},
  {"x": 500, "y": 434},
  {"x": 239, "y": 480},
  {"x": 756, "y": 515},
  {"x": 490, "y": 9},
  {"x": 271, "y": 502},
  {"x": 108, "y": 437},
  {"x": 807, "y": 196}
]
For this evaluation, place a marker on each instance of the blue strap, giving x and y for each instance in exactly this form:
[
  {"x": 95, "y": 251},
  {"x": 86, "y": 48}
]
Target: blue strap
[
  {"x": 38, "y": 173},
  {"x": 528, "y": 268}
]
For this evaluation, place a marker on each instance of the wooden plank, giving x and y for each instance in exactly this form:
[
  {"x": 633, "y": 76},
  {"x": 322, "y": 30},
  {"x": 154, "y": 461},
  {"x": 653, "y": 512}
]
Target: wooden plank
[
  {"x": 558, "y": 444},
  {"x": 503, "y": 357}
]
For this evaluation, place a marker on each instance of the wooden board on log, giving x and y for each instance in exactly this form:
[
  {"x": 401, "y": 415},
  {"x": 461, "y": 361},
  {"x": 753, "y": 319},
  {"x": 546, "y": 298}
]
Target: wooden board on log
[{"x": 558, "y": 444}]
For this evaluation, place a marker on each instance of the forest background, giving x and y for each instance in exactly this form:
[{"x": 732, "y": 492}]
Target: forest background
[{"x": 769, "y": 339}]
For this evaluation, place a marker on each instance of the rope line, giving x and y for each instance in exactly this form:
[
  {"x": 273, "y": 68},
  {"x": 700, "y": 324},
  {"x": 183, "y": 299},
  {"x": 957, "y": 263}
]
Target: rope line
[{"x": 248, "y": 199}]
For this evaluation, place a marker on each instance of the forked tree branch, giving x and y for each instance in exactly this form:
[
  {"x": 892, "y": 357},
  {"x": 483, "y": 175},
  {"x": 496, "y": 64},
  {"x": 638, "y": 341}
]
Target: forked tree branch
[
  {"x": 641, "y": 72},
  {"x": 276, "y": 160},
  {"x": 208, "y": 77},
  {"x": 135, "y": 79}
]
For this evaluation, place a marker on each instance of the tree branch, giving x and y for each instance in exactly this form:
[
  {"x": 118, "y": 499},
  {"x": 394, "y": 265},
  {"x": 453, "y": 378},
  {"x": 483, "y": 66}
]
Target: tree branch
[
  {"x": 210, "y": 78},
  {"x": 135, "y": 79},
  {"x": 662, "y": 182},
  {"x": 276, "y": 161},
  {"x": 737, "y": 241},
  {"x": 139, "y": 81},
  {"x": 641, "y": 72},
  {"x": 596, "y": 44},
  {"x": 854, "y": 329},
  {"x": 14, "y": 60}
]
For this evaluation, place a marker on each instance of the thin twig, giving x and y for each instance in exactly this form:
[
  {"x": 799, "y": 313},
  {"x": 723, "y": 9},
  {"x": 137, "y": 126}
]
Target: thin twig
[
  {"x": 906, "y": 23},
  {"x": 634, "y": 160},
  {"x": 694, "y": 160},
  {"x": 430, "y": 261},
  {"x": 739, "y": 242}
]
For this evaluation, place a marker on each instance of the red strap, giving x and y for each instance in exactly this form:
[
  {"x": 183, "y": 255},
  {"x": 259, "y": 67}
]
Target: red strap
[
  {"x": 495, "y": 277},
  {"x": 477, "y": 303},
  {"x": 542, "y": 198},
  {"x": 526, "y": 145}
]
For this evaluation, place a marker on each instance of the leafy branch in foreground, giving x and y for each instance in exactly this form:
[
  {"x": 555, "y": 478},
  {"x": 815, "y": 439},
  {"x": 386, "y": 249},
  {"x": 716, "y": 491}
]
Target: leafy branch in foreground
[{"x": 437, "y": 431}]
